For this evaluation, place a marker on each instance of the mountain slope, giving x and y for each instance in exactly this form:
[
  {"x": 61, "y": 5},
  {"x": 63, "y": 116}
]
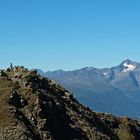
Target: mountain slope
[
  {"x": 35, "y": 108},
  {"x": 97, "y": 88}
]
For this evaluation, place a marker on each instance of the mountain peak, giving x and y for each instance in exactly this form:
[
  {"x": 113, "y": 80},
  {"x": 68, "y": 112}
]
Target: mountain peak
[
  {"x": 128, "y": 61},
  {"x": 128, "y": 65}
]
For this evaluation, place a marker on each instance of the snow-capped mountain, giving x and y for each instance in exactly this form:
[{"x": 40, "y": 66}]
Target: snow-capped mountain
[
  {"x": 115, "y": 90},
  {"x": 128, "y": 67}
]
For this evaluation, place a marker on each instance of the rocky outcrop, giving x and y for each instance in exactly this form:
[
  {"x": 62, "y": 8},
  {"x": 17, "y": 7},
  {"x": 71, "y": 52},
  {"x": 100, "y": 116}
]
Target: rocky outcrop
[{"x": 36, "y": 108}]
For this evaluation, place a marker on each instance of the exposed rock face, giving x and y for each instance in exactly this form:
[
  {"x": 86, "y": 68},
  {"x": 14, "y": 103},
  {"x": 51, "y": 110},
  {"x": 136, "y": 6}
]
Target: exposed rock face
[{"x": 36, "y": 108}]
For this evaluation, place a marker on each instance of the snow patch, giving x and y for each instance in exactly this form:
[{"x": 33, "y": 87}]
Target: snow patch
[
  {"x": 105, "y": 74},
  {"x": 128, "y": 67}
]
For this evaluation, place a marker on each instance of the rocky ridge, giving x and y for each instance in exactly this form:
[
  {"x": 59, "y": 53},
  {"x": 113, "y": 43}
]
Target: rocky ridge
[{"x": 36, "y": 108}]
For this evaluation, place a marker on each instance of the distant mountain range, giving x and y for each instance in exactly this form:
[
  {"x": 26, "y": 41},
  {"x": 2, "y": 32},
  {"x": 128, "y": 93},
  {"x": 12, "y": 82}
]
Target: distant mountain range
[{"x": 114, "y": 90}]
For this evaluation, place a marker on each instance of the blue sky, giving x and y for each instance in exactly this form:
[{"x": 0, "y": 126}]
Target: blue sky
[{"x": 69, "y": 34}]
